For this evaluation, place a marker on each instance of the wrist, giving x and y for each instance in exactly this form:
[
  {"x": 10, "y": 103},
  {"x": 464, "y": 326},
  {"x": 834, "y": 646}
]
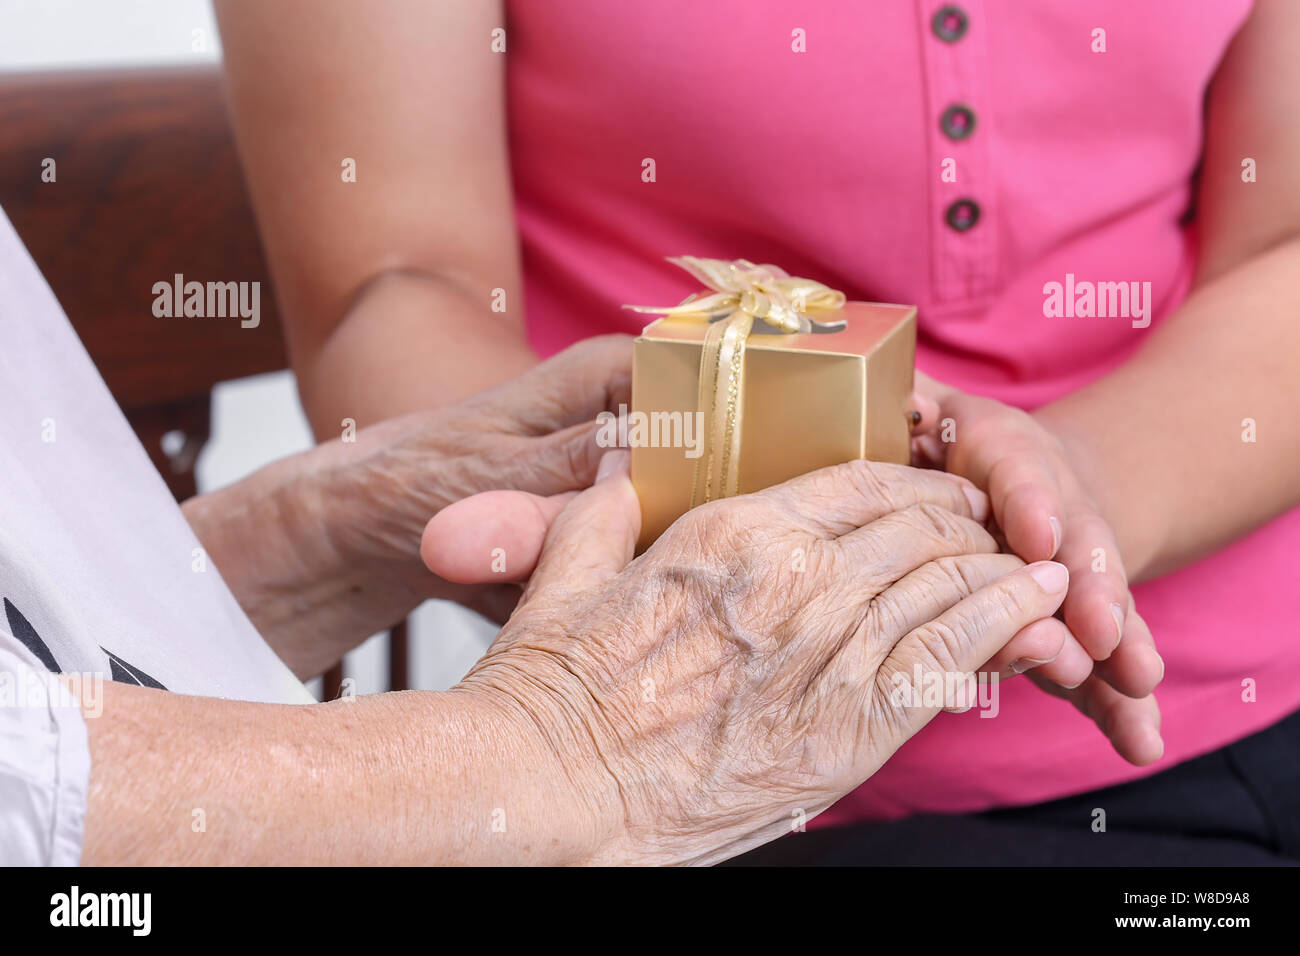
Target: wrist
[
  {"x": 550, "y": 708},
  {"x": 516, "y": 797},
  {"x": 280, "y": 540},
  {"x": 246, "y": 532}
]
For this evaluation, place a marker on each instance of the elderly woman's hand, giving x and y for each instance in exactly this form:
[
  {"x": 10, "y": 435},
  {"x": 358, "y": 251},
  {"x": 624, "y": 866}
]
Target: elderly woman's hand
[
  {"x": 338, "y": 527},
  {"x": 763, "y": 658},
  {"x": 535, "y": 433}
]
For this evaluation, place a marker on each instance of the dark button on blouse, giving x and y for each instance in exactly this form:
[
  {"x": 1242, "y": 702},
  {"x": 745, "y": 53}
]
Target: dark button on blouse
[
  {"x": 963, "y": 214},
  {"x": 957, "y": 122},
  {"x": 949, "y": 23}
]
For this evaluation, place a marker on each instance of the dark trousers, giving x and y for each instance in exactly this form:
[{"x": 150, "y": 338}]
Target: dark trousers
[{"x": 1236, "y": 806}]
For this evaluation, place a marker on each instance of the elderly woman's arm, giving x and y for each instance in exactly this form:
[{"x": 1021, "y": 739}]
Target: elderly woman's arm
[
  {"x": 682, "y": 708},
  {"x": 322, "y": 549}
]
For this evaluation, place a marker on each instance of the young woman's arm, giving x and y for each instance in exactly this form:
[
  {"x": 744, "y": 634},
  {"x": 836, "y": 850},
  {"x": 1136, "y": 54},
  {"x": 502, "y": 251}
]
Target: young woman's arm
[
  {"x": 1160, "y": 441},
  {"x": 386, "y": 282}
]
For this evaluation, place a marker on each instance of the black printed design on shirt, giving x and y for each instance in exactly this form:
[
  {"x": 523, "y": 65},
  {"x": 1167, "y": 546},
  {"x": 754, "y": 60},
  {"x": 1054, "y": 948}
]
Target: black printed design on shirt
[
  {"x": 120, "y": 670},
  {"x": 124, "y": 673},
  {"x": 22, "y": 629}
]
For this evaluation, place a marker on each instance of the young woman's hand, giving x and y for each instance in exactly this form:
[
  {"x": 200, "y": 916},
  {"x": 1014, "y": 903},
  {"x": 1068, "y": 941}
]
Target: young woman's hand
[{"x": 1043, "y": 510}]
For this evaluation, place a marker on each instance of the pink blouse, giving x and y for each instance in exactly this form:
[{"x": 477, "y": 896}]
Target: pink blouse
[{"x": 956, "y": 156}]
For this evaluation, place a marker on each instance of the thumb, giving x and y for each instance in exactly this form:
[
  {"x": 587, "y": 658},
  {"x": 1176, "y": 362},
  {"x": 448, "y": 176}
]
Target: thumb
[
  {"x": 594, "y": 536},
  {"x": 925, "y": 410},
  {"x": 491, "y": 537},
  {"x": 922, "y": 413},
  {"x": 931, "y": 389}
]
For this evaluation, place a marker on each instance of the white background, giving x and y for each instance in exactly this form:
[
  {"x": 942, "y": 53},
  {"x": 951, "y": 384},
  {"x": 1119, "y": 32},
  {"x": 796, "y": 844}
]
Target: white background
[{"x": 255, "y": 420}]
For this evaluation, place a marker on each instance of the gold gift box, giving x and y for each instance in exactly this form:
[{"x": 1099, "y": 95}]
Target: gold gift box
[{"x": 810, "y": 400}]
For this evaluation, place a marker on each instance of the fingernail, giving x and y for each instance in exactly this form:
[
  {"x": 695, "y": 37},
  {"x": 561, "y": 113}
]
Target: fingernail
[
  {"x": 1159, "y": 740},
  {"x": 979, "y": 502},
  {"x": 1117, "y": 613},
  {"x": 1051, "y": 577},
  {"x": 1057, "y": 533},
  {"x": 613, "y": 463},
  {"x": 1022, "y": 664}
]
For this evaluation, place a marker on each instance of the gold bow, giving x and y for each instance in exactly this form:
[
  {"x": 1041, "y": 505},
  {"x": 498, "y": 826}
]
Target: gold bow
[
  {"x": 742, "y": 294},
  {"x": 768, "y": 293}
]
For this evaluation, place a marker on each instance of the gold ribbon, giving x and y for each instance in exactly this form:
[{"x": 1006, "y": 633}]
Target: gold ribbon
[{"x": 743, "y": 295}]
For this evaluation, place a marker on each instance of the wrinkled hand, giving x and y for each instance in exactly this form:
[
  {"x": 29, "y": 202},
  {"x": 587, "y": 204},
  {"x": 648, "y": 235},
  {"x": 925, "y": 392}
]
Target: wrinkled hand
[
  {"x": 1044, "y": 511},
  {"x": 536, "y": 434},
  {"x": 746, "y": 667}
]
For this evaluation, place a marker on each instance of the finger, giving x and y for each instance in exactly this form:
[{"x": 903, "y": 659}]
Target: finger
[
  {"x": 835, "y": 501},
  {"x": 962, "y": 638},
  {"x": 1098, "y": 600},
  {"x": 922, "y": 413},
  {"x": 931, "y": 388},
  {"x": 1026, "y": 502},
  {"x": 1136, "y": 668},
  {"x": 892, "y": 547},
  {"x": 593, "y": 538},
  {"x": 1045, "y": 649},
  {"x": 1036, "y": 646},
  {"x": 994, "y": 450},
  {"x": 564, "y": 460},
  {"x": 1071, "y": 666},
  {"x": 934, "y": 587},
  {"x": 574, "y": 386},
  {"x": 929, "y": 451},
  {"x": 1131, "y": 725},
  {"x": 495, "y": 536},
  {"x": 931, "y": 589}
]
